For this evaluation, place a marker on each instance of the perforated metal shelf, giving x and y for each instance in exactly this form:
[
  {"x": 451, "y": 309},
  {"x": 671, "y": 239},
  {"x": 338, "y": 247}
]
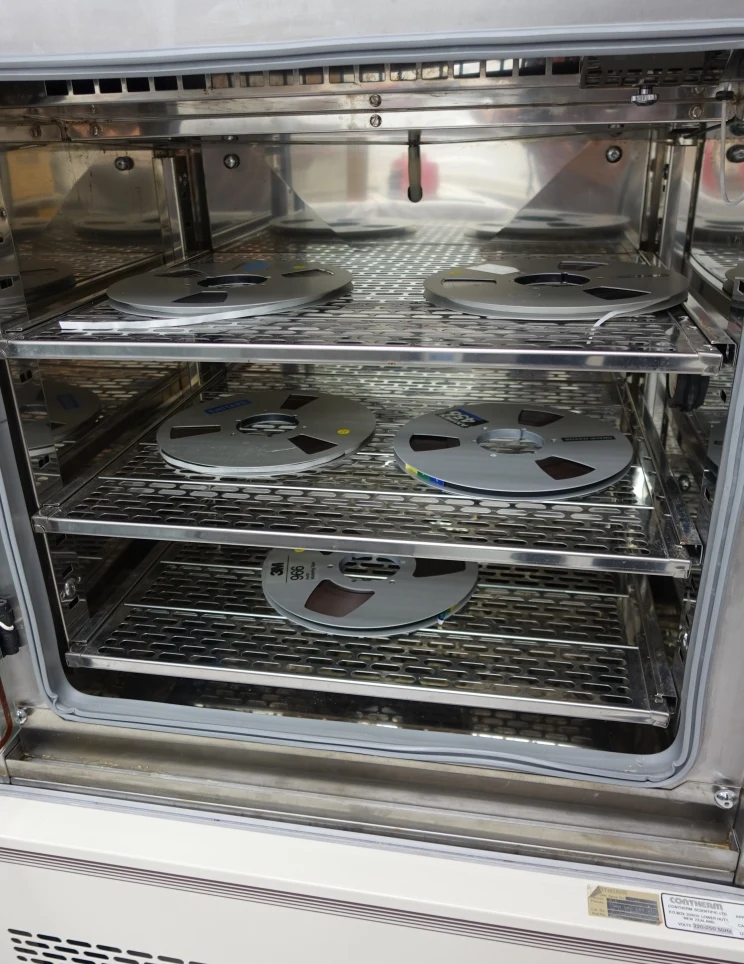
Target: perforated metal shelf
[
  {"x": 114, "y": 385},
  {"x": 399, "y": 714},
  {"x": 716, "y": 259},
  {"x": 366, "y": 503},
  {"x": 517, "y": 645},
  {"x": 385, "y": 318},
  {"x": 59, "y": 241},
  {"x": 121, "y": 389}
]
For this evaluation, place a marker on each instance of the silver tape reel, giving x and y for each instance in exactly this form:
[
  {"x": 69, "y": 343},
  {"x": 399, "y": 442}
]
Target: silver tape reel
[
  {"x": 365, "y": 595},
  {"x": 117, "y": 227},
  {"x": 513, "y": 451},
  {"x": 251, "y": 286},
  {"x": 545, "y": 224},
  {"x": 55, "y": 413},
  {"x": 264, "y": 433},
  {"x": 308, "y": 224},
  {"x": 556, "y": 288}
]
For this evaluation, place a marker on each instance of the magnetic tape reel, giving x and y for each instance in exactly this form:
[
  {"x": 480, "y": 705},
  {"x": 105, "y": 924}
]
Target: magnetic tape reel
[
  {"x": 512, "y": 451},
  {"x": 117, "y": 227},
  {"x": 546, "y": 224},
  {"x": 556, "y": 288},
  {"x": 236, "y": 288},
  {"x": 310, "y": 225},
  {"x": 365, "y": 595},
  {"x": 264, "y": 433},
  {"x": 54, "y": 413}
]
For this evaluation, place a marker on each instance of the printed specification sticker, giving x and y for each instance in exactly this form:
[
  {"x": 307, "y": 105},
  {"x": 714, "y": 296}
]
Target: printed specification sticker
[
  {"x": 702, "y": 916},
  {"x": 635, "y": 905}
]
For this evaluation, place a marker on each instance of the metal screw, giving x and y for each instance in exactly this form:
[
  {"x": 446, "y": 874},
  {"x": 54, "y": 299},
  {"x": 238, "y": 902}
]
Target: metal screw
[
  {"x": 644, "y": 97},
  {"x": 683, "y": 641},
  {"x": 696, "y": 111},
  {"x": 93, "y": 109},
  {"x": 726, "y": 798},
  {"x": 613, "y": 154},
  {"x": 698, "y": 90},
  {"x": 3, "y": 214},
  {"x": 684, "y": 483},
  {"x": 36, "y": 131},
  {"x": 21, "y": 717},
  {"x": 95, "y": 130},
  {"x": 735, "y": 153},
  {"x": 229, "y": 137},
  {"x": 615, "y": 128},
  {"x": 123, "y": 163},
  {"x": 69, "y": 589},
  {"x": 231, "y": 161},
  {"x": 375, "y": 100},
  {"x": 375, "y": 120}
]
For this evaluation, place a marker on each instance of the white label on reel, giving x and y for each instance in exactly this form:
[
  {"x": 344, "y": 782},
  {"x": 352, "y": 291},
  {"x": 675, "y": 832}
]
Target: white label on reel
[
  {"x": 496, "y": 268},
  {"x": 293, "y": 570}
]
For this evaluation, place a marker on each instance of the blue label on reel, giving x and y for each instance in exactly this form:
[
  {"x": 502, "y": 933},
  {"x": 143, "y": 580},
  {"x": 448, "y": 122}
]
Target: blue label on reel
[
  {"x": 227, "y": 406},
  {"x": 68, "y": 402}
]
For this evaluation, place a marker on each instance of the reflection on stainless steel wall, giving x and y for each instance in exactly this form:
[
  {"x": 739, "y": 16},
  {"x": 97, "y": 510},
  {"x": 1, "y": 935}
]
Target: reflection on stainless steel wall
[
  {"x": 715, "y": 221},
  {"x": 464, "y": 183},
  {"x": 80, "y": 212},
  {"x": 717, "y": 243},
  {"x": 237, "y": 195}
]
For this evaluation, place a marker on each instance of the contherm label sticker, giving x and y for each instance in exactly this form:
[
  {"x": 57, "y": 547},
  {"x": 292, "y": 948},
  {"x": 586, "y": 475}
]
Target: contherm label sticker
[{"x": 721, "y": 918}]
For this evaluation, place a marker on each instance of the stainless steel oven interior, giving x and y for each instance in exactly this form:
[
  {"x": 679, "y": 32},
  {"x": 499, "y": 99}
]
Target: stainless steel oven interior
[{"x": 596, "y": 667}]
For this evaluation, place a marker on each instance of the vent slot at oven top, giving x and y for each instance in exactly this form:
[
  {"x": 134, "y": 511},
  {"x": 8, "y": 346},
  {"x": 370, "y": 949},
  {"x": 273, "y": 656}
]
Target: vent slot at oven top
[
  {"x": 655, "y": 70},
  {"x": 525, "y": 70},
  {"x": 664, "y": 70}
]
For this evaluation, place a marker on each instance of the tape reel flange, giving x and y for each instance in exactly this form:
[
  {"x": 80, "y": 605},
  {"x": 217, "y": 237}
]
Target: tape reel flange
[
  {"x": 544, "y": 224},
  {"x": 556, "y": 288},
  {"x": 264, "y": 433},
  {"x": 115, "y": 228},
  {"x": 352, "y": 594},
  {"x": 255, "y": 287},
  {"x": 306, "y": 224},
  {"x": 54, "y": 413},
  {"x": 525, "y": 451}
]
